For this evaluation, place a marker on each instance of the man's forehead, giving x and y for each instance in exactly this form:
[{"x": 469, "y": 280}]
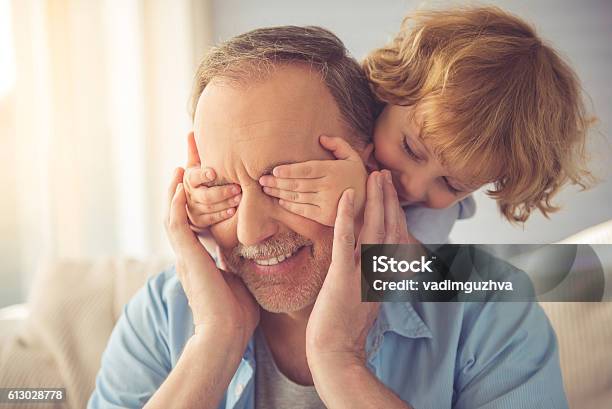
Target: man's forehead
[
  {"x": 266, "y": 124},
  {"x": 266, "y": 170},
  {"x": 290, "y": 92},
  {"x": 261, "y": 146}
]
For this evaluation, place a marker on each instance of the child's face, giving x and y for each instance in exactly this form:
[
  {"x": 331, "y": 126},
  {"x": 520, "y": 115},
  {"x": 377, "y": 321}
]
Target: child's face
[{"x": 418, "y": 175}]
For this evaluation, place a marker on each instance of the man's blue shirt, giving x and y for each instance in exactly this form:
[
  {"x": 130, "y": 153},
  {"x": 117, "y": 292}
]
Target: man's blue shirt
[{"x": 432, "y": 355}]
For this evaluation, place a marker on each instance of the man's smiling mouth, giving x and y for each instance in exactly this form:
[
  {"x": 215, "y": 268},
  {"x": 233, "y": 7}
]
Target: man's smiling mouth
[
  {"x": 275, "y": 260},
  {"x": 286, "y": 263}
]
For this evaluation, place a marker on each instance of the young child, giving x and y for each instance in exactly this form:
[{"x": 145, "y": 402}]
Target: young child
[{"x": 473, "y": 97}]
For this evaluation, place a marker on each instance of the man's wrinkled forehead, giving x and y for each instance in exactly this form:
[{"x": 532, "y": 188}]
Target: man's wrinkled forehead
[{"x": 273, "y": 121}]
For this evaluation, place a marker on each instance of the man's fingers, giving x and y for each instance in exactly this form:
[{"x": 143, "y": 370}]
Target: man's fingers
[
  {"x": 193, "y": 157},
  {"x": 343, "y": 250},
  {"x": 178, "y": 221},
  {"x": 391, "y": 206},
  {"x": 400, "y": 232},
  {"x": 216, "y": 194},
  {"x": 373, "y": 231},
  {"x": 176, "y": 179},
  {"x": 294, "y": 185},
  {"x": 296, "y": 197},
  {"x": 310, "y": 170},
  {"x": 339, "y": 147},
  {"x": 183, "y": 240}
]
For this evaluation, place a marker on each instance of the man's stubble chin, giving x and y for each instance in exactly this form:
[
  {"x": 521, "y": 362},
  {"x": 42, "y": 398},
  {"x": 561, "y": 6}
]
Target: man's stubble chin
[{"x": 289, "y": 292}]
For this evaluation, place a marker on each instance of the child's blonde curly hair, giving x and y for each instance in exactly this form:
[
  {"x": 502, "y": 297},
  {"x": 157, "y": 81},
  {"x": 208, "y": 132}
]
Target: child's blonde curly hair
[{"x": 494, "y": 100}]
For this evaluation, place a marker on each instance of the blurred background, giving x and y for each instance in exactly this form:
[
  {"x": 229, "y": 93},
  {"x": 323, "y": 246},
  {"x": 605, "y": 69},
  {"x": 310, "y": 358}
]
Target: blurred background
[{"x": 93, "y": 115}]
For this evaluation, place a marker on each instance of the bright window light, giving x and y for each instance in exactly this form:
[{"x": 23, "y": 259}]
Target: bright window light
[{"x": 7, "y": 54}]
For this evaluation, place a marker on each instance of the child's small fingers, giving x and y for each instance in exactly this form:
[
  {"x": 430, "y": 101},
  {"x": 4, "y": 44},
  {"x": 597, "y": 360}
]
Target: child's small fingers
[
  {"x": 300, "y": 185},
  {"x": 208, "y": 174},
  {"x": 339, "y": 147},
  {"x": 197, "y": 229},
  {"x": 301, "y": 209},
  {"x": 196, "y": 176},
  {"x": 215, "y": 194},
  {"x": 311, "y": 169},
  {"x": 296, "y": 197},
  {"x": 202, "y": 221},
  {"x": 295, "y": 185},
  {"x": 203, "y": 208},
  {"x": 193, "y": 224}
]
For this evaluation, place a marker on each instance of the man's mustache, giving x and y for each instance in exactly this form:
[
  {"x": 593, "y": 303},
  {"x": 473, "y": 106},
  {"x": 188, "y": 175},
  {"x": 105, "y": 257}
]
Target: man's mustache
[{"x": 283, "y": 243}]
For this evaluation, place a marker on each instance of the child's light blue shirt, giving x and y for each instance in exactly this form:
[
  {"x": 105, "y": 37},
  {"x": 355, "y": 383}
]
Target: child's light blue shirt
[{"x": 432, "y": 226}]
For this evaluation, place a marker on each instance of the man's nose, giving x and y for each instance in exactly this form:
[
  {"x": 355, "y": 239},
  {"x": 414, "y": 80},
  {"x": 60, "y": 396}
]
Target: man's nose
[{"x": 255, "y": 222}]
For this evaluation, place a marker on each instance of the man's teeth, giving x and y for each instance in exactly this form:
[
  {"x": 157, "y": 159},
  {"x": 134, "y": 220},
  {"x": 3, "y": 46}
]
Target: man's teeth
[{"x": 274, "y": 260}]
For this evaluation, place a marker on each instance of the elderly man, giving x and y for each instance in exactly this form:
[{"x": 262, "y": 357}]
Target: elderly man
[{"x": 284, "y": 326}]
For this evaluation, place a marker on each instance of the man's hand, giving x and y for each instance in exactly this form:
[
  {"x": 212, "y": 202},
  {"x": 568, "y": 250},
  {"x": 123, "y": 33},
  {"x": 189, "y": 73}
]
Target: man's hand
[
  {"x": 225, "y": 315},
  {"x": 312, "y": 189},
  {"x": 219, "y": 301},
  {"x": 206, "y": 205},
  {"x": 340, "y": 322}
]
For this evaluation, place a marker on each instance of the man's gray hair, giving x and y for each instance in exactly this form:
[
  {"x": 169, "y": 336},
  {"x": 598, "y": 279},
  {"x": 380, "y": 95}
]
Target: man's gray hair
[{"x": 252, "y": 55}]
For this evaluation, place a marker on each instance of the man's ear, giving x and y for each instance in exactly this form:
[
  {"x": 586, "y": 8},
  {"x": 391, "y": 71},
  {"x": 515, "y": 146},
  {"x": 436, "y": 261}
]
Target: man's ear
[{"x": 367, "y": 156}]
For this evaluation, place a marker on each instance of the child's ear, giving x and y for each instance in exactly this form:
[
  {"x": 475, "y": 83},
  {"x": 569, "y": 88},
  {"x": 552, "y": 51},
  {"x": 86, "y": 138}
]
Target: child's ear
[{"x": 367, "y": 156}]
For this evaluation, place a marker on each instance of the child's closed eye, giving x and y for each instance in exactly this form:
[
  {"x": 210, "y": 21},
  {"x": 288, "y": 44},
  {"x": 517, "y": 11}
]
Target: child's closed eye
[
  {"x": 418, "y": 158},
  {"x": 410, "y": 152},
  {"x": 451, "y": 188}
]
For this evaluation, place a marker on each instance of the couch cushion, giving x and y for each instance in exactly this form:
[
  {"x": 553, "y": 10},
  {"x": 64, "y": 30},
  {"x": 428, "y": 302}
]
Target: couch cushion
[
  {"x": 584, "y": 332},
  {"x": 73, "y": 308}
]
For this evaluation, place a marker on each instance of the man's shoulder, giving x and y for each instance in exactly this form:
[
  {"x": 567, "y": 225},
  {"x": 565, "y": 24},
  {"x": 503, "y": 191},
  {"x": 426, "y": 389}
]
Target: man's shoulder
[
  {"x": 469, "y": 347},
  {"x": 163, "y": 287},
  {"x": 159, "y": 313},
  {"x": 161, "y": 301},
  {"x": 459, "y": 321},
  {"x": 145, "y": 344}
]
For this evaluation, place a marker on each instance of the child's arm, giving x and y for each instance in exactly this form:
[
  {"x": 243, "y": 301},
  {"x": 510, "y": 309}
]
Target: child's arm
[
  {"x": 312, "y": 189},
  {"x": 206, "y": 205}
]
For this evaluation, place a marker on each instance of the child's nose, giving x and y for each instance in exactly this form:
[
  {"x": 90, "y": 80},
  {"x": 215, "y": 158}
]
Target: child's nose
[{"x": 416, "y": 188}]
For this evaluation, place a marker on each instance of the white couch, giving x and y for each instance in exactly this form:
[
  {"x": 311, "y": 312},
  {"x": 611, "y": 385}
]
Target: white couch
[{"x": 58, "y": 337}]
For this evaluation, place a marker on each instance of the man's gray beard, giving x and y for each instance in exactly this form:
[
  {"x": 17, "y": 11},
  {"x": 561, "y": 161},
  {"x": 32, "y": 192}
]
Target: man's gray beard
[{"x": 290, "y": 292}]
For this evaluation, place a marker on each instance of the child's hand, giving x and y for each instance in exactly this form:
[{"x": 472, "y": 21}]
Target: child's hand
[
  {"x": 312, "y": 189},
  {"x": 206, "y": 205}
]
